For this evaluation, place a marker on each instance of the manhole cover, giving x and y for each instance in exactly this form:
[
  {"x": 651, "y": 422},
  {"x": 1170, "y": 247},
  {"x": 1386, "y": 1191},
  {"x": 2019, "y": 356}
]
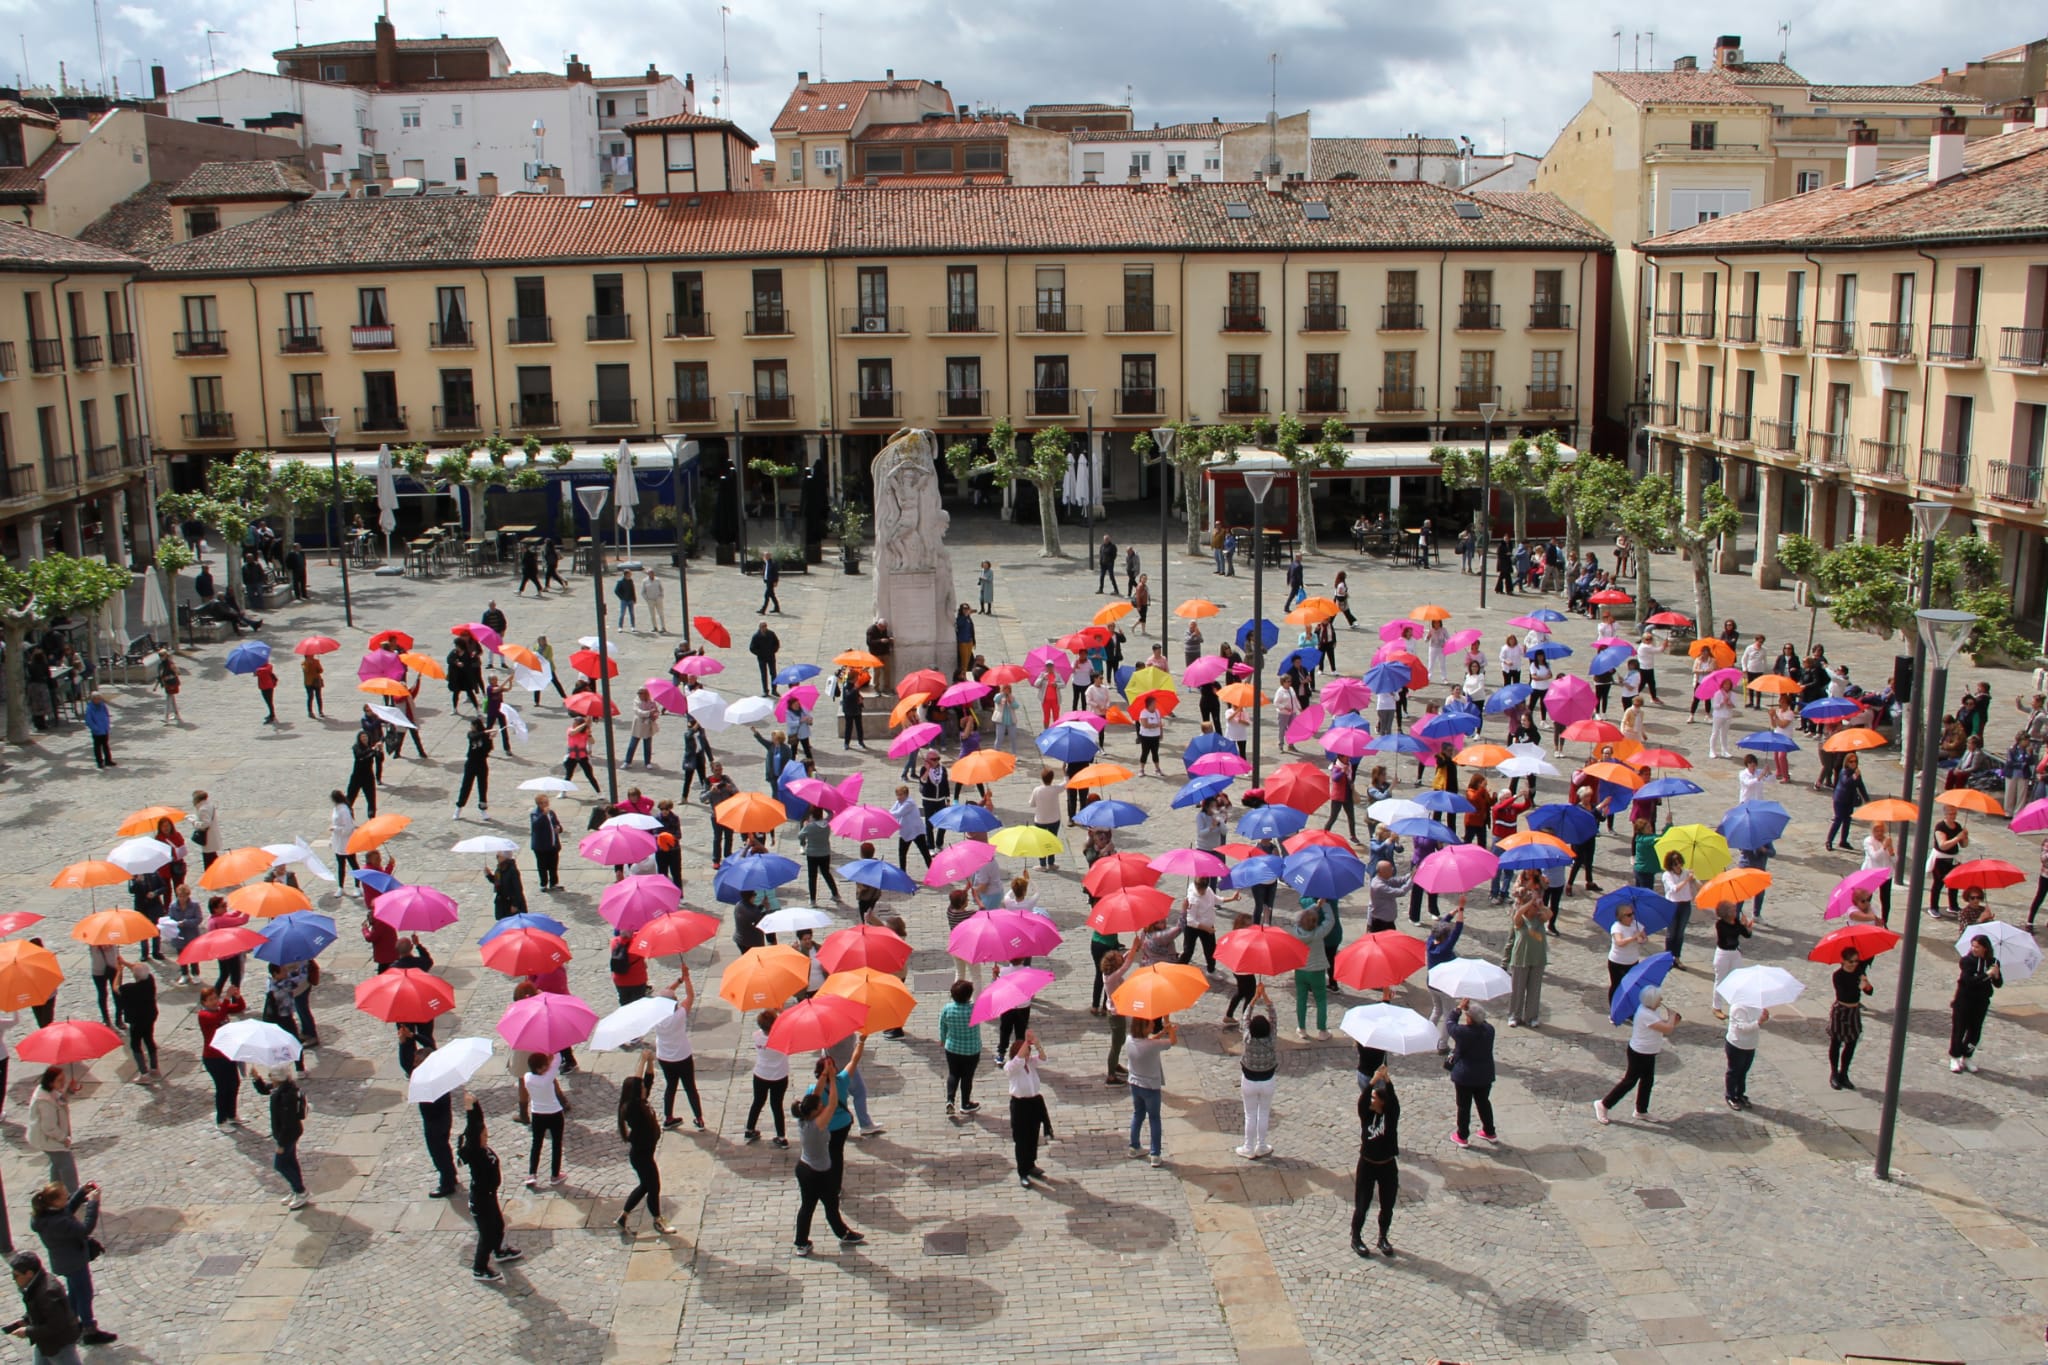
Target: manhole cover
[
  {"x": 1660, "y": 1199},
  {"x": 221, "y": 1265},
  {"x": 934, "y": 981},
  {"x": 945, "y": 1244}
]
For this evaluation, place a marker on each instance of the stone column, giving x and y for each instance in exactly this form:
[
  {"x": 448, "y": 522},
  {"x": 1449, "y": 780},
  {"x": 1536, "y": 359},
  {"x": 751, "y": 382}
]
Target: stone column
[
  {"x": 1770, "y": 513},
  {"x": 113, "y": 540},
  {"x": 74, "y": 530},
  {"x": 1817, "y": 522},
  {"x": 141, "y": 519},
  {"x": 1859, "y": 528},
  {"x": 1727, "y": 555},
  {"x": 1691, "y": 474},
  {"x": 1095, "y": 473},
  {"x": 31, "y": 538}
]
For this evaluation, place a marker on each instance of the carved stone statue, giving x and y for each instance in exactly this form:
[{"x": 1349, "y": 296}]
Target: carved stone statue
[{"x": 914, "y": 589}]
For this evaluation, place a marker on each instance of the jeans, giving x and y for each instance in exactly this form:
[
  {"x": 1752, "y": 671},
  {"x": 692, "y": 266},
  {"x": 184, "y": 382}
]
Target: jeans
[
  {"x": 641, "y": 746},
  {"x": 1674, "y": 937},
  {"x": 626, "y": 614},
  {"x": 64, "y": 1168},
  {"x": 286, "y": 1164},
  {"x": 857, "y": 1096},
  {"x": 960, "y": 1069},
  {"x": 1640, "y": 1077},
  {"x": 768, "y": 1094},
  {"x": 1190, "y": 936},
  {"x": 78, "y": 1288},
  {"x": 545, "y": 1126},
  {"x": 1739, "y": 1059},
  {"x": 813, "y": 1188},
  {"x": 822, "y": 867},
  {"x": 1258, "y": 1110},
  {"x": 1144, "y": 1108}
]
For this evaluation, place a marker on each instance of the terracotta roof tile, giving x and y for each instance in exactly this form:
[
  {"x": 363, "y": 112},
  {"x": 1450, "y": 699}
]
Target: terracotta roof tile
[
  {"x": 1538, "y": 204},
  {"x": 615, "y": 82},
  {"x": 675, "y": 122},
  {"x": 914, "y": 179},
  {"x": 23, "y": 248},
  {"x": 939, "y": 130},
  {"x": 227, "y": 181},
  {"x": 13, "y": 111},
  {"x": 1365, "y": 158},
  {"x": 24, "y": 184},
  {"x": 827, "y": 106},
  {"x": 1171, "y": 132},
  {"x": 746, "y": 223},
  {"x": 139, "y": 225},
  {"x": 316, "y": 235},
  {"x": 1763, "y": 73},
  {"x": 1677, "y": 87},
  {"x": 1892, "y": 94},
  {"x": 365, "y": 47},
  {"x": 1031, "y": 109}
]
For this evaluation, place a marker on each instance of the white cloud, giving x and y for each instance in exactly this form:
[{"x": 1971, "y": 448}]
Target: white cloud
[{"x": 145, "y": 21}]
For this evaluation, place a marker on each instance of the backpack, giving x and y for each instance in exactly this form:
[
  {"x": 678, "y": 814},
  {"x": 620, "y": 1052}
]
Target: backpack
[
  {"x": 312, "y": 974},
  {"x": 622, "y": 955}
]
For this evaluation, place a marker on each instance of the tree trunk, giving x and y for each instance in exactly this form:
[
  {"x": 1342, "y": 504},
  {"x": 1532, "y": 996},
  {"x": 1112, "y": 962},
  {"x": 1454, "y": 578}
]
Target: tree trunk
[
  {"x": 1305, "y": 510},
  {"x": 1191, "y": 507},
  {"x": 1572, "y": 534},
  {"x": 290, "y": 515},
  {"x": 1699, "y": 552},
  {"x": 479, "y": 513},
  {"x": 1049, "y": 520},
  {"x": 1642, "y": 550},
  {"x": 16, "y": 623},
  {"x": 1521, "y": 501}
]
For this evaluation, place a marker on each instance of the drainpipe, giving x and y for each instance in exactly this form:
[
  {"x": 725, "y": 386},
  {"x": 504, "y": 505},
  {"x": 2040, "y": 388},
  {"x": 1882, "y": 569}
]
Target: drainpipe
[
  {"x": 1581, "y": 439},
  {"x": 1442, "y": 261},
  {"x": 491, "y": 357},
  {"x": 1926, "y": 381},
  {"x": 654, "y": 379},
  {"x": 262, "y": 385},
  {"x": 64, "y": 373},
  {"x": 1813, "y": 385}
]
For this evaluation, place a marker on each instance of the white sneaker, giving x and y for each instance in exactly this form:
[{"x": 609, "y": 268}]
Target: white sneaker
[
  {"x": 1158, "y": 1161},
  {"x": 1245, "y": 1152},
  {"x": 297, "y": 1201},
  {"x": 1262, "y": 1150},
  {"x": 1969, "y": 1064},
  {"x": 1600, "y": 1110},
  {"x": 457, "y": 815},
  {"x": 1955, "y": 1064}
]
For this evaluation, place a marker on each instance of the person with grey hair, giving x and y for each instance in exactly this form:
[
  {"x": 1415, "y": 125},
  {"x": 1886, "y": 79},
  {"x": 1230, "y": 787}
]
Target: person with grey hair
[
  {"x": 1653, "y": 1025},
  {"x": 1472, "y": 1072}
]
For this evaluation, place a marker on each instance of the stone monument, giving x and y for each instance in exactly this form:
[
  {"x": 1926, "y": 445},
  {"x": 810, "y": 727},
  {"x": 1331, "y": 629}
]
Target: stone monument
[{"x": 914, "y": 589}]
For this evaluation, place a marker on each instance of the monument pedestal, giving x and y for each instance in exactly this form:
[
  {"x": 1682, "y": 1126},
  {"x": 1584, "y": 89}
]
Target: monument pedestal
[
  {"x": 914, "y": 589},
  {"x": 922, "y": 620}
]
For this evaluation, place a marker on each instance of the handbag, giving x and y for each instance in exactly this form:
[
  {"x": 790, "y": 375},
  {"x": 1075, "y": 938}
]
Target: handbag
[{"x": 94, "y": 1249}]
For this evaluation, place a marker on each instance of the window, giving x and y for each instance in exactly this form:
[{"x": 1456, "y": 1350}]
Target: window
[
  {"x": 608, "y": 295},
  {"x": 1242, "y": 392},
  {"x": 882, "y": 161},
  {"x": 199, "y": 222},
  {"x": 451, "y": 315},
  {"x": 796, "y": 163},
  {"x": 1703, "y": 137},
  {"x": 1397, "y": 382},
  {"x": 1475, "y": 378},
  {"x": 875, "y": 388},
  {"x": 1788, "y": 401},
  {"x": 370, "y": 308},
  {"x": 308, "y": 405},
  {"x": 871, "y": 287},
  {"x": 984, "y": 156},
  {"x": 209, "y": 402},
  {"x": 381, "y": 411},
  {"x": 931, "y": 160},
  {"x": 1845, "y": 300},
  {"x": 640, "y": 105},
  {"x": 1320, "y": 392},
  {"x": 414, "y": 168},
  {"x": 771, "y": 391},
  {"x": 458, "y": 401},
  {"x": 1700, "y": 206},
  {"x": 1546, "y": 379},
  {"x": 202, "y": 322},
  {"x": 963, "y": 386},
  {"x": 455, "y": 115},
  {"x": 409, "y": 118},
  {"x": 963, "y": 299},
  {"x": 11, "y": 152},
  {"x": 693, "y": 391},
  {"x": 1808, "y": 181},
  {"x": 1051, "y": 393},
  {"x": 827, "y": 158},
  {"x": 536, "y": 403},
  {"x": 682, "y": 151},
  {"x": 1323, "y": 313},
  {"x": 1957, "y": 416},
  {"x": 1139, "y": 313},
  {"x": 461, "y": 168},
  {"x": 611, "y": 108},
  {"x": 686, "y": 302},
  {"x": 301, "y": 330},
  {"x": 1141, "y": 163},
  {"x": 1049, "y": 290},
  {"x": 1140, "y": 374},
  {"x": 768, "y": 314},
  {"x": 1212, "y": 163},
  {"x": 1090, "y": 161},
  {"x": 614, "y": 403},
  {"x": 46, "y": 433},
  {"x": 333, "y": 71},
  {"x": 1176, "y": 163},
  {"x": 1242, "y": 312}
]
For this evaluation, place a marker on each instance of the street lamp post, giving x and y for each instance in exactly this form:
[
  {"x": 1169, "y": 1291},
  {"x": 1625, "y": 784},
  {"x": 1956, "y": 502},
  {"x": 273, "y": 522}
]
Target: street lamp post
[
  {"x": 1486, "y": 415},
  {"x": 593, "y": 496},
  {"x": 333, "y": 425},
  {"x": 1941, "y": 634},
  {"x": 1089, "y": 472},
  {"x": 1162, "y": 443},
  {"x": 1258, "y": 482},
  {"x": 739, "y": 477},
  {"x": 1928, "y": 519},
  {"x": 677, "y": 448}
]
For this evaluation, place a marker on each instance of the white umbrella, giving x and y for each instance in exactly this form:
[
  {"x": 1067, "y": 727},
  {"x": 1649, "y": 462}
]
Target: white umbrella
[
  {"x": 391, "y": 715},
  {"x": 2018, "y": 955},
  {"x": 1394, "y": 808},
  {"x": 448, "y": 1066},
  {"x": 554, "y": 785},
  {"x": 795, "y": 919},
  {"x": 590, "y": 642},
  {"x": 625, "y": 494},
  {"x": 387, "y": 496},
  {"x": 633, "y": 819},
  {"x": 513, "y": 720},
  {"x": 486, "y": 843},
  {"x": 300, "y": 852},
  {"x": 156, "y": 612},
  {"x": 255, "y": 1042},
  {"x": 1527, "y": 767},
  {"x": 114, "y": 619},
  {"x": 140, "y": 855},
  {"x": 1761, "y": 988},
  {"x": 749, "y": 711},
  {"x": 630, "y": 1023},
  {"x": 1468, "y": 978},
  {"x": 533, "y": 680},
  {"x": 1390, "y": 1028}
]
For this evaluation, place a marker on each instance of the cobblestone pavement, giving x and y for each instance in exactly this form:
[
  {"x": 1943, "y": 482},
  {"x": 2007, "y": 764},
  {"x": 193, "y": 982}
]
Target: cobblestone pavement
[{"x": 1703, "y": 1236}]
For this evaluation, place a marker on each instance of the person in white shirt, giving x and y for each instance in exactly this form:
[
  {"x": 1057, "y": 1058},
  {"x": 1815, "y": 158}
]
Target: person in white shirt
[
  {"x": 1745, "y": 1027},
  {"x": 1433, "y": 642},
  {"x": 1702, "y": 665},
  {"x": 340, "y": 825},
  {"x": 1101, "y": 696},
  {"x": 1198, "y": 921},
  {"x": 1511, "y": 658},
  {"x": 1028, "y": 1117},
  {"x": 1652, "y": 1025},
  {"x": 1721, "y": 717},
  {"x": 1838, "y": 682},
  {"x": 1383, "y": 706},
  {"x": 1606, "y": 632},
  {"x": 1751, "y": 780},
  {"x": 1647, "y": 650},
  {"x": 1286, "y": 706},
  {"x": 1679, "y": 887},
  {"x": 1879, "y": 851},
  {"x": 1152, "y": 728},
  {"x": 1624, "y": 946},
  {"x": 547, "y": 1110},
  {"x": 771, "y": 1082},
  {"x": 676, "y": 1054},
  {"x": 206, "y": 831},
  {"x": 1237, "y": 727},
  {"x": 653, "y": 597},
  {"x": 1045, "y": 807},
  {"x": 1754, "y": 663}
]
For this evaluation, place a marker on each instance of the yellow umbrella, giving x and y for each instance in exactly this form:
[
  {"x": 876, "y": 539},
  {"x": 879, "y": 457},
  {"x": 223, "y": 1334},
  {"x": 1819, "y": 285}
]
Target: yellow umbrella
[
  {"x": 1705, "y": 852},
  {"x": 889, "y": 1001},
  {"x": 1150, "y": 680},
  {"x": 1026, "y": 841}
]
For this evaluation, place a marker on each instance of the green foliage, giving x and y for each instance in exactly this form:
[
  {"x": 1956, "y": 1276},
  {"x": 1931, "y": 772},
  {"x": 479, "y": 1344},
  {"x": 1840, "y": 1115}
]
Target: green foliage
[
  {"x": 560, "y": 453},
  {"x": 1871, "y": 588},
  {"x": 1145, "y": 448},
  {"x": 1994, "y": 636},
  {"x": 1799, "y": 555},
  {"x": 851, "y": 524},
  {"x": 58, "y": 585},
  {"x": 1228, "y": 438},
  {"x": 527, "y": 478},
  {"x": 1262, "y": 431},
  {"x": 414, "y": 460},
  {"x": 1329, "y": 451},
  {"x": 768, "y": 469},
  {"x": 174, "y": 555}
]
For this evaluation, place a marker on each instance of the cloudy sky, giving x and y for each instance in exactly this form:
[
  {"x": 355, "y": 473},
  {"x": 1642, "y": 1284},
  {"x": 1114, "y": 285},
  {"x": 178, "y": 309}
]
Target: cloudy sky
[{"x": 1372, "y": 68}]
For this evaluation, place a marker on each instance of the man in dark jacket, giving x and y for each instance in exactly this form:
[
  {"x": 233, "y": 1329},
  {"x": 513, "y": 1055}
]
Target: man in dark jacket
[
  {"x": 287, "y": 1126},
  {"x": 295, "y": 565},
  {"x": 65, "y": 1222},
  {"x": 764, "y": 645},
  {"x": 484, "y": 1179},
  {"x": 771, "y": 578},
  {"x": 1105, "y": 564},
  {"x": 437, "y": 1123},
  {"x": 47, "y": 1322}
]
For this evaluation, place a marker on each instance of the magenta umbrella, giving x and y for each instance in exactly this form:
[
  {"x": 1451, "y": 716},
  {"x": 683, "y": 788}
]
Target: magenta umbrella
[
  {"x": 864, "y": 822},
  {"x": 1350, "y": 741},
  {"x": 964, "y": 693},
  {"x": 1457, "y": 869},
  {"x": 416, "y": 909},
  {"x": 820, "y": 793},
  {"x": 1346, "y": 694},
  {"x": 803, "y": 694},
  {"x": 1711, "y": 684},
  {"x": 1220, "y": 765},
  {"x": 2031, "y": 818},
  {"x": 1307, "y": 723},
  {"x": 614, "y": 847},
  {"x": 1048, "y": 656},
  {"x": 1189, "y": 862},
  {"x": 1843, "y": 898},
  {"x": 1569, "y": 700},
  {"x": 1088, "y": 718},
  {"x": 698, "y": 666},
  {"x": 485, "y": 636},
  {"x": 913, "y": 739},
  {"x": 1205, "y": 670},
  {"x": 958, "y": 862},
  {"x": 1002, "y": 936},
  {"x": 546, "y": 1022},
  {"x": 1529, "y": 623},
  {"x": 380, "y": 663},
  {"x": 1461, "y": 640},
  {"x": 630, "y": 905},
  {"x": 1012, "y": 990},
  {"x": 1401, "y": 630},
  {"x": 667, "y": 696}
]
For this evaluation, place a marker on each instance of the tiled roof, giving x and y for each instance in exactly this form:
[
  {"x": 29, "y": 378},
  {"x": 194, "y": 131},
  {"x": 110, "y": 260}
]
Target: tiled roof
[
  {"x": 1076, "y": 109},
  {"x": 939, "y": 130},
  {"x": 1677, "y": 87},
  {"x": 934, "y": 179},
  {"x": 139, "y": 225},
  {"x": 227, "y": 181},
  {"x": 1891, "y": 94},
  {"x": 1763, "y": 73},
  {"x": 366, "y": 47},
  {"x": 1365, "y": 158},
  {"x": 511, "y": 80},
  {"x": 1538, "y": 204},
  {"x": 614, "y": 82},
  {"x": 24, "y": 184},
  {"x": 23, "y": 248},
  {"x": 824, "y": 106},
  {"x": 2002, "y": 194},
  {"x": 669, "y": 123},
  {"x": 13, "y": 111},
  {"x": 1171, "y": 132},
  {"x": 315, "y": 235},
  {"x": 747, "y": 223}
]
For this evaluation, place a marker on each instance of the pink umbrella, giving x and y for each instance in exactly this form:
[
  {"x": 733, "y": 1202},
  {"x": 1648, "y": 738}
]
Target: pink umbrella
[
  {"x": 1401, "y": 630},
  {"x": 415, "y": 909},
  {"x": 1220, "y": 765},
  {"x": 1189, "y": 862},
  {"x": 1002, "y": 936},
  {"x": 1711, "y": 684},
  {"x": 2031, "y": 818},
  {"x": 614, "y": 847},
  {"x": 1390, "y": 649},
  {"x": 1530, "y": 623},
  {"x": 380, "y": 663},
  {"x": 913, "y": 739},
  {"x": 1344, "y": 739},
  {"x": 958, "y": 862},
  {"x": 485, "y": 636},
  {"x": 1083, "y": 717},
  {"x": 1415, "y": 731},
  {"x": 964, "y": 693},
  {"x": 1205, "y": 670},
  {"x": 1463, "y": 639},
  {"x": 820, "y": 793},
  {"x": 667, "y": 696},
  {"x": 1240, "y": 670},
  {"x": 1012, "y": 990},
  {"x": 864, "y": 822},
  {"x": 546, "y": 1022},
  {"x": 630, "y": 905},
  {"x": 1346, "y": 694},
  {"x": 1456, "y": 869},
  {"x": 697, "y": 666},
  {"x": 1840, "y": 901},
  {"x": 1307, "y": 723},
  {"x": 1569, "y": 700},
  {"x": 1048, "y": 656},
  {"x": 803, "y": 694}
]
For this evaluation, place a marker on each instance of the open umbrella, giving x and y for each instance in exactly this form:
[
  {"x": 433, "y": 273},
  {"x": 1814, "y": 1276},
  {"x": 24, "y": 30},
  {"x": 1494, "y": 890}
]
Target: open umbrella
[
  {"x": 1159, "y": 990},
  {"x": 764, "y": 978},
  {"x": 1012, "y": 990},
  {"x": 1261, "y": 950},
  {"x": 446, "y": 1067},
  {"x": 874, "y": 872},
  {"x": 1572, "y": 824},
  {"x": 1393, "y": 1029},
  {"x": 375, "y": 831},
  {"x": 1653, "y": 912},
  {"x": 524, "y": 920},
  {"x": 416, "y": 909},
  {"x": 1569, "y": 699},
  {"x": 1966, "y": 798},
  {"x": 630, "y": 1022},
  {"x": 673, "y": 934},
  {"x": 794, "y": 919},
  {"x": 1379, "y": 962},
  {"x": 1002, "y": 936},
  {"x": 296, "y": 937},
  {"x": 256, "y": 1042},
  {"x": 404, "y": 995},
  {"x": 864, "y": 822},
  {"x": 113, "y": 928},
  {"x": 137, "y": 856},
  {"x": 2019, "y": 957},
  {"x": 913, "y": 738},
  {"x": 67, "y": 1041},
  {"x": 1456, "y": 869},
  {"x": 1759, "y": 988},
  {"x": 958, "y": 862},
  {"x": 29, "y": 975},
  {"x": 1129, "y": 910},
  {"x": 1867, "y": 939},
  {"x": 1733, "y": 887},
  {"x": 1628, "y": 992},
  {"x": 1843, "y": 897},
  {"x": 1468, "y": 978},
  {"x": 619, "y": 846},
  {"x": 1299, "y": 785},
  {"x": 1704, "y": 851},
  {"x": 1752, "y": 824},
  {"x": 1325, "y": 873},
  {"x": 1022, "y": 841},
  {"x": 1110, "y": 815},
  {"x": 525, "y": 952},
  {"x": 248, "y": 656},
  {"x": 967, "y": 818},
  {"x": 1992, "y": 874},
  {"x": 816, "y": 1024},
  {"x": 1118, "y": 872},
  {"x": 887, "y": 1000},
  {"x": 864, "y": 945},
  {"x": 982, "y": 767},
  {"x": 546, "y": 1022}
]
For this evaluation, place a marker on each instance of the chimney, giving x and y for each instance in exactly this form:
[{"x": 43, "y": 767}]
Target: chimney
[
  {"x": 2019, "y": 117},
  {"x": 2041, "y": 116},
  {"x": 387, "y": 51},
  {"x": 487, "y": 184},
  {"x": 1945, "y": 148},
  {"x": 1862, "y": 155},
  {"x": 1685, "y": 64},
  {"x": 578, "y": 71},
  {"x": 889, "y": 73},
  {"x": 72, "y": 131},
  {"x": 1273, "y": 183},
  {"x": 159, "y": 85},
  {"x": 963, "y": 113},
  {"x": 803, "y": 78},
  {"x": 1727, "y": 50}
]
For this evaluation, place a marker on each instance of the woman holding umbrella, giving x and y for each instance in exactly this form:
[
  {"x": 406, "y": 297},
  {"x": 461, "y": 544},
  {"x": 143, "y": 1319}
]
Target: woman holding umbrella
[
  {"x": 476, "y": 770},
  {"x": 1849, "y": 794},
  {"x": 1652, "y": 1025},
  {"x": 484, "y": 1181},
  {"x": 578, "y": 740},
  {"x": 1976, "y": 979},
  {"x": 815, "y": 1180},
  {"x": 1258, "y": 1065},
  {"x": 640, "y": 1132},
  {"x": 1379, "y": 1172}
]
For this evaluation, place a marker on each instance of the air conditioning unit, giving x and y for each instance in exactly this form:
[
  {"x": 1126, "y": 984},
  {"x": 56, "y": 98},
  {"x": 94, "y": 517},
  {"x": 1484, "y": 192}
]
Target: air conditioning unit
[{"x": 874, "y": 324}]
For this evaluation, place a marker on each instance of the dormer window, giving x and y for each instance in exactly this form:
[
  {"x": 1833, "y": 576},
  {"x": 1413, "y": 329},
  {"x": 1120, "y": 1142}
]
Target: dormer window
[
  {"x": 200, "y": 221},
  {"x": 10, "y": 145}
]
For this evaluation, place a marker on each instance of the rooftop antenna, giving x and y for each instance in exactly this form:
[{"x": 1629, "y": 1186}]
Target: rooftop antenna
[
  {"x": 1273, "y": 118},
  {"x": 1617, "y": 49},
  {"x": 821, "y": 45},
  {"x": 213, "y": 69},
  {"x": 1651, "y": 34},
  {"x": 99, "y": 39},
  {"x": 1784, "y": 40},
  {"x": 724, "y": 61},
  {"x": 25, "y": 81}
]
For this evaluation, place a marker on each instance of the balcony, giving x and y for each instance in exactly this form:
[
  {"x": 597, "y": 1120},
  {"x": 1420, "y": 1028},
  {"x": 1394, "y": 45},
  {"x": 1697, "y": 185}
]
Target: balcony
[
  {"x": 1244, "y": 402},
  {"x": 688, "y": 326},
  {"x": 303, "y": 421},
  {"x": 2016, "y": 484},
  {"x": 614, "y": 412},
  {"x": 694, "y": 411},
  {"x": 209, "y": 426},
  {"x": 1881, "y": 459},
  {"x": 874, "y": 405},
  {"x": 381, "y": 419},
  {"x": 1325, "y": 317},
  {"x": 451, "y": 336},
  {"x": 135, "y": 451},
  {"x": 1697, "y": 420},
  {"x": 299, "y": 341},
  {"x": 1834, "y": 336},
  {"x": 60, "y": 472},
  {"x": 1950, "y": 344},
  {"x": 608, "y": 327},
  {"x": 1664, "y": 324},
  {"x": 1827, "y": 447},
  {"x": 883, "y": 321},
  {"x": 1938, "y": 468},
  {"x": 1139, "y": 402},
  {"x": 536, "y": 414},
  {"x": 8, "y": 367},
  {"x": 1402, "y": 400},
  {"x": 372, "y": 337},
  {"x": 954, "y": 403},
  {"x": 1048, "y": 402},
  {"x": 1322, "y": 399},
  {"x": 1773, "y": 434},
  {"x": 1048, "y": 318},
  {"x": 18, "y": 481},
  {"x": 965, "y": 321},
  {"x": 1549, "y": 398},
  {"x": 103, "y": 461},
  {"x": 458, "y": 417},
  {"x": 768, "y": 408},
  {"x": 1784, "y": 334},
  {"x": 1697, "y": 326},
  {"x": 1401, "y": 317},
  {"x": 1550, "y": 317},
  {"x": 768, "y": 322},
  {"x": 1739, "y": 329},
  {"x": 1142, "y": 319},
  {"x": 121, "y": 347},
  {"x": 88, "y": 351},
  {"x": 1479, "y": 317},
  {"x": 1889, "y": 340},
  {"x": 1660, "y": 412},
  {"x": 1249, "y": 318},
  {"x": 45, "y": 357},
  {"x": 529, "y": 331},
  {"x": 2023, "y": 348},
  {"x": 1736, "y": 427}
]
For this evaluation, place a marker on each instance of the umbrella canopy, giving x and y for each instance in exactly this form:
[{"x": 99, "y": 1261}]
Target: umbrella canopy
[
  {"x": 1010, "y": 991},
  {"x": 1843, "y": 897},
  {"x": 375, "y": 831},
  {"x": 1271, "y": 822},
  {"x": 983, "y": 767},
  {"x": 915, "y": 737},
  {"x": 1705, "y": 852},
  {"x": 864, "y": 945},
  {"x": 111, "y": 928},
  {"x": 764, "y": 978},
  {"x": 297, "y": 937},
  {"x": 2032, "y": 818},
  {"x": 887, "y": 1000},
  {"x": 1991, "y": 874},
  {"x": 1118, "y": 872},
  {"x": 1967, "y": 798},
  {"x": 1299, "y": 785},
  {"x": 1110, "y": 815},
  {"x": 1652, "y": 911},
  {"x": 816, "y": 1024},
  {"x": 525, "y": 952},
  {"x": 750, "y": 813},
  {"x": 524, "y": 920},
  {"x": 1468, "y": 978},
  {"x": 1023, "y": 841},
  {"x": 795, "y": 919},
  {"x": 628, "y": 904},
  {"x": 67, "y": 1041},
  {"x": 29, "y": 975},
  {"x": 958, "y": 862},
  {"x": 1759, "y": 988},
  {"x": 1392, "y": 1029},
  {"x": 968, "y": 818},
  {"x": 1887, "y": 810},
  {"x": 265, "y": 899},
  {"x": 1379, "y": 962},
  {"x": 1002, "y": 936},
  {"x": 426, "y": 665},
  {"x": 1769, "y": 742},
  {"x": 1722, "y": 655},
  {"x": 1323, "y": 872},
  {"x": 875, "y": 872},
  {"x": 1159, "y": 990},
  {"x": 1387, "y": 811},
  {"x": 1573, "y": 824},
  {"x": 673, "y": 934},
  {"x": 547, "y": 1022},
  {"x": 248, "y": 656},
  {"x": 1859, "y": 739},
  {"x": 1129, "y": 910},
  {"x": 1628, "y": 993},
  {"x": 2019, "y": 957},
  {"x": 710, "y": 628},
  {"x": 588, "y": 704},
  {"x": 1716, "y": 680},
  {"x": 1046, "y": 659},
  {"x": 486, "y": 843},
  {"x": 619, "y": 846},
  {"x": 446, "y": 1067},
  {"x": 1733, "y": 887},
  {"x": 156, "y": 611},
  {"x": 136, "y": 856},
  {"x": 1220, "y": 764},
  {"x": 631, "y": 1022},
  {"x": 753, "y": 872},
  {"x": 1261, "y": 950},
  {"x": 384, "y": 665},
  {"x": 864, "y": 822},
  {"x": 698, "y": 666},
  {"x": 235, "y": 867},
  {"x": 1570, "y": 698},
  {"x": 93, "y": 873},
  {"x": 416, "y": 909},
  {"x": 1609, "y": 658},
  {"x": 1189, "y": 862},
  {"x": 1456, "y": 869},
  {"x": 1867, "y": 939},
  {"x": 1752, "y": 824},
  {"x": 404, "y": 995},
  {"x": 256, "y": 1042}
]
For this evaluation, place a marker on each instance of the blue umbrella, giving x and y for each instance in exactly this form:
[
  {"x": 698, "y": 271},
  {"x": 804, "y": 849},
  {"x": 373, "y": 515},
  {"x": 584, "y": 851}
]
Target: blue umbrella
[
  {"x": 1769, "y": 742},
  {"x": 1200, "y": 789},
  {"x": 1573, "y": 824},
  {"x": 1395, "y": 744},
  {"x": 1551, "y": 649},
  {"x": 247, "y": 657},
  {"x": 380, "y": 882},
  {"x": 794, "y": 806},
  {"x": 1388, "y": 677},
  {"x": 1415, "y": 827},
  {"x": 1110, "y": 815},
  {"x": 1206, "y": 744},
  {"x": 1829, "y": 708},
  {"x": 1513, "y": 695},
  {"x": 1269, "y": 634},
  {"x": 1351, "y": 720},
  {"x": 1449, "y": 803},
  {"x": 1254, "y": 872},
  {"x": 1123, "y": 680},
  {"x": 1534, "y": 855},
  {"x": 878, "y": 874},
  {"x": 758, "y": 872},
  {"x": 1612, "y": 657},
  {"x": 1548, "y": 614},
  {"x": 1073, "y": 744},
  {"x": 1667, "y": 788},
  {"x": 525, "y": 920},
  {"x": 1272, "y": 822},
  {"x": 1653, "y": 912},
  {"x": 796, "y": 673},
  {"x": 1308, "y": 656},
  {"x": 968, "y": 819},
  {"x": 1449, "y": 725},
  {"x": 1651, "y": 971},
  {"x": 296, "y": 937},
  {"x": 1322, "y": 872},
  {"x": 1460, "y": 706},
  {"x": 1752, "y": 824}
]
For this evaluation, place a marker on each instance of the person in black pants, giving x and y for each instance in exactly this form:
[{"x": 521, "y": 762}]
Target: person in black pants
[
  {"x": 1379, "y": 1173},
  {"x": 815, "y": 1181},
  {"x": 529, "y": 572},
  {"x": 639, "y": 1130},
  {"x": 437, "y": 1117},
  {"x": 1976, "y": 978},
  {"x": 1028, "y": 1118},
  {"x": 1472, "y": 1070},
  {"x": 1653, "y": 1024},
  {"x": 476, "y": 770},
  {"x": 547, "y": 1112},
  {"x": 362, "y": 776},
  {"x": 484, "y": 1179},
  {"x": 551, "y": 567},
  {"x": 138, "y": 1008},
  {"x": 544, "y": 829},
  {"x": 768, "y": 1094},
  {"x": 287, "y": 1126}
]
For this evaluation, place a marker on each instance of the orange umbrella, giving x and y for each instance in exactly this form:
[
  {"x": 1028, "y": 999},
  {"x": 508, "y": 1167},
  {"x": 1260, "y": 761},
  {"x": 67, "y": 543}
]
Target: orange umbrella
[
  {"x": 1429, "y": 613},
  {"x": 1159, "y": 990},
  {"x": 1625, "y": 750},
  {"x": 1886, "y": 811},
  {"x": 751, "y": 813},
  {"x": 1196, "y": 609},
  {"x": 856, "y": 658},
  {"x": 889, "y": 1001},
  {"x": 901, "y": 711},
  {"x": 1619, "y": 773},
  {"x": 1969, "y": 798},
  {"x": 1707, "y": 644},
  {"x": 764, "y": 978},
  {"x": 1775, "y": 684},
  {"x": 144, "y": 821},
  {"x": 1101, "y": 775},
  {"x": 107, "y": 928},
  {"x": 1849, "y": 741},
  {"x": 1312, "y": 611},
  {"x": 1736, "y": 884},
  {"x": 235, "y": 867},
  {"x": 29, "y": 975},
  {"x": 1481, "y": 756},
  {"x": 1115, "y": 611},
  {"x": 266, "y": 899},
  {"x": 385, "y": 687},
  {"x": 374, "y": 831},
  {"x": 1536, "y": 837},
  {"x": 91, "y": 873},
  {"x": 1240, "y": 694},
  {"x": 521, "y": 655},
  {"x": 423, "y": 664},
  {"x": 983, "y": 766}
]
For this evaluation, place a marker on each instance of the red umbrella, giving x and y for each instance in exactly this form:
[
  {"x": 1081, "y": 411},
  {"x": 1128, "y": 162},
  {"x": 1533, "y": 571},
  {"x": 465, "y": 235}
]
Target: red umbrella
[
  {"x": 1418, "y": 672},
  {"x": 1300, "y": 785},
  {"x": 1989, "y": 873},
  {"x": 316, "y": 644},
  {"x": 1657, "y": 758},
  {"x": 674, "y": 934},
  {"x": 1004, "y": 674},
  {"x": 1670, "y": 618},
  {"x": 1867, "y": 939},
  {"x": 220, "y": 943},
  {"x": 864, "y": 945},
  {"x": 1088, "y": 637},
  {"x": 923, "y": 680},
  {"x": 585, "y": 661},
  {"x": 68, "y": 1040},
  {"x": 1119, "y": 872},
  {"x": 816, "y": 1024},
  {"x": 1127, "y": 911},
  {"x": 1379, "y": 961},
  {"x": 15, "y": 920},
  {"x": 588, "y": 704},
  {"x": 390, "y": 637},
  {"x": 1610, "y": 597},
  {"x": 1262, "y": 950},
  {"x": 405, "y": 995},
  {"x": 526, "y": 952},
  {"x": 710, "y": 629},
  {"x": 1310, "y": 838}
]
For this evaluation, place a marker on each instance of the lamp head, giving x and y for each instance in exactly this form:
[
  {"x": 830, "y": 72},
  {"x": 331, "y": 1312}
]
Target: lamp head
[
  {"x": 1487, "y": 411},
  {"x": 1929, "y": 518},
  {"x": 1944, "y": 632},
  {"x": 1258, "y": 482},
  {"x": 332, "y": 424},
  {"x": 592, "y": 496},
  {"x": 1163, "y": 439},
  {"x": 680, "y": 448}
]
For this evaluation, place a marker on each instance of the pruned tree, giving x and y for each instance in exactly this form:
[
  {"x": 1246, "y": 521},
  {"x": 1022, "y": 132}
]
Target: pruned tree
[
  {"x": 775, "y": 474},
  {"x": 1326, "y": 453},
  {"x": 1653, "y": 514},
  {"x": 460, "y": 469},
  {"x": 173, "y": 557},
  {"x": 1870, "y": 588},
  {"x": 1513, "y": 474},
  {"x": 50, "y": 587},
  {"x": 1045, "y": 469},
  {"x": 1585, "y": 491}
]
